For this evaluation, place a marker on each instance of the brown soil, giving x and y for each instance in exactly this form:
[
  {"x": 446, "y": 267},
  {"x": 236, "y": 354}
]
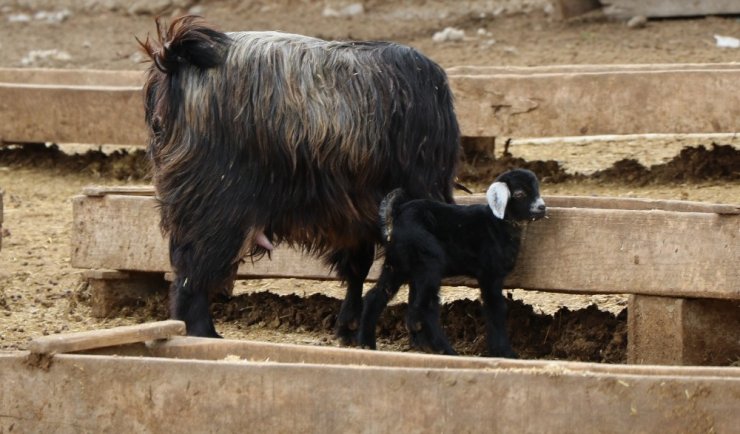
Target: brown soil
[{"x": 40, "y": 293}]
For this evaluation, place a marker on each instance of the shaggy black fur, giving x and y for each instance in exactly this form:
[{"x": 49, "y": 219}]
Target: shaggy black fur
[
  {"x": 260, "y": 137},
  {"x": 428, "y": 240}
]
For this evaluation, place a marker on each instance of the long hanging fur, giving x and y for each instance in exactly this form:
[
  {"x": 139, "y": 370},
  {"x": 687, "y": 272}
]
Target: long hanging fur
[{"x": 289, "y": 135}]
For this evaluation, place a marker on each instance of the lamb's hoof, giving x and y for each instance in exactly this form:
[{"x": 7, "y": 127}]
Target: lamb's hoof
[
  {"x": 366, "y": 344},
  {"x": 205, "y": 334},
  {"x": 506, "y": 354},
  {"x": 347, "y": 335}
]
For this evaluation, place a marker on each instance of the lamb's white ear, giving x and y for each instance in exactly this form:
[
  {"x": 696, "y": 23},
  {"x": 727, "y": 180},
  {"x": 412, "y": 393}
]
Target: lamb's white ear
[{"x": 498, "y": 196}]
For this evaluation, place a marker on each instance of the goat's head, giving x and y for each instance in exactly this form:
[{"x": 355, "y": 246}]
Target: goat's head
[{"x": 515, "y": 196}]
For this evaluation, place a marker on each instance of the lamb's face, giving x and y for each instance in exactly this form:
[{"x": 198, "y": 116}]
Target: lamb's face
[{"x": 516, "y": 196}]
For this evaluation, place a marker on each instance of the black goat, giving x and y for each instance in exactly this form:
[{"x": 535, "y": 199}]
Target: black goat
[
  {"x": 264, "y": 137},
  {"x": 427, "y": 240}
]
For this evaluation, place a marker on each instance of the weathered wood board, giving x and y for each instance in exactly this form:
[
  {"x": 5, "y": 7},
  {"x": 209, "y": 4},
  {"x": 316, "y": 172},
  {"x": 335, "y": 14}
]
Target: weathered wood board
[
  {"x": 71, "y": 77},
  {"x": 106, "y": 108},
  {"x": 187, "y": 347},
  {"x": 71, "y": 114},
  {"x": 565, "y": 9},
  {"x": 683, "y": 331},
  {"x": 1, "y": 219},
  {"x": 80, "y": 341},
  {"x": 562, "y": 201},
  {"x": 79, "y": 393},
  {"x": 670, "y": 8},
  {"x": 582, "y": 250},
  {"x": 593, "y": 103}
]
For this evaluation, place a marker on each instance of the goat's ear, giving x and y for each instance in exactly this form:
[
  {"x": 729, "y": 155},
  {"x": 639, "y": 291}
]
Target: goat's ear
[{"x": 498, "y": 196}]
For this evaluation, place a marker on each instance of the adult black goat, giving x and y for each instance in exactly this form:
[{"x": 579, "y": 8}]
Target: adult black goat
[
  {"x": 427, "y": 240},
  {"x": 263, "y": 137}
]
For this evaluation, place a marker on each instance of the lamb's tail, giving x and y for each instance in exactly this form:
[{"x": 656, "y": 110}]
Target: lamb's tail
[
  {"x": 186, "y": 41},
  {"x": 388, "y": 210}
]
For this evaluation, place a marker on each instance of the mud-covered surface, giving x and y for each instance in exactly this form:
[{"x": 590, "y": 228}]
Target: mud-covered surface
[
  {"x": 586, "y": 335},
  {"x": 119, "y": 163},
  {"x": 713, "y": 162}
]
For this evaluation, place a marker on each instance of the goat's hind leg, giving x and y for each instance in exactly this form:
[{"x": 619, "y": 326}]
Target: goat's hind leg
[
  {"x": 352, "y": 266},
  {"x": 201, "y": 270},
  {"x": 373, "y": 304}
]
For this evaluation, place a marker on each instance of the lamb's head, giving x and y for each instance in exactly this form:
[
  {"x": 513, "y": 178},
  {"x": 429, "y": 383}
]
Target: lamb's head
[{"x": 515, "y": 196}]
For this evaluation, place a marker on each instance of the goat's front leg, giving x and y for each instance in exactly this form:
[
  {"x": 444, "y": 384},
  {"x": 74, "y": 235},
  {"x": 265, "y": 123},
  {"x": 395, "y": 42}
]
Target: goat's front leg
[{"x": 494, "y": 310}]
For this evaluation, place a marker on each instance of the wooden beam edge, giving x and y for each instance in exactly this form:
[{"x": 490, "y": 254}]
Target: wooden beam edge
[{"x": 86, "y": 340}]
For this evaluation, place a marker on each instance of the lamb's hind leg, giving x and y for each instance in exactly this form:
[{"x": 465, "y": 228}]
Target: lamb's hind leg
[
  {"x": 423, "y": 316},
  {"x": 374, "y": 303},
  {"x": 352, "y": 266}
]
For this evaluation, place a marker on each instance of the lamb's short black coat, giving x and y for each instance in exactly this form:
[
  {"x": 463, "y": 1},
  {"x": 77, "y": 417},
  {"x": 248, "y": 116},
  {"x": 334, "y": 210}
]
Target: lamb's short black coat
[{"x": 428, "y": 240}]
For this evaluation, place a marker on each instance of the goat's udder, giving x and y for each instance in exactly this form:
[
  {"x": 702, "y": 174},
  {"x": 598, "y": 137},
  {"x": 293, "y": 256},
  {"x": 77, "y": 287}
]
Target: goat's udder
[{"x": 261, "y": 240}]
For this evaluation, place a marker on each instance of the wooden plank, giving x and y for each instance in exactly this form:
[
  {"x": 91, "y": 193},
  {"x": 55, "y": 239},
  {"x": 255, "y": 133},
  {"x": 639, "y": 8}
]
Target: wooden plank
[
  {"x": 105, "y": 274},
  {"x": 188, "y": 347},
  {"x": 71, "y": 114},
  {"x": 131, "y": 190},
  {"x": 81, "y": 341},
  {"x": 670, "y": 8},
  {"x": 79, "y": 393},
  {"x": 565, "y": 9},
  {"x": 623, "y": 203},
  {"x": 679, "y": 331},
  {"x": 572, "y": 104},
  {"x": 71, "y": 77},
  {"x": 467, "y": 70},
  {"x": 513, "y": 102},
  {"x": 602, "y": 202},
  {"x": 111, "y": 291},
  {"x": 687, "y": 254}
]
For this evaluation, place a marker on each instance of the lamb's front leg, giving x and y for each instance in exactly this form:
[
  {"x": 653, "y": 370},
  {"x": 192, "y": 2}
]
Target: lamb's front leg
[{"x": 494, "y": 309}]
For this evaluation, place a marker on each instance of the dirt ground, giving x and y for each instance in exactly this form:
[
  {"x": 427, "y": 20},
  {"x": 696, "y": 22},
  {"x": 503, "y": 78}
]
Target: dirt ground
[{"x": 40, "y": 293}]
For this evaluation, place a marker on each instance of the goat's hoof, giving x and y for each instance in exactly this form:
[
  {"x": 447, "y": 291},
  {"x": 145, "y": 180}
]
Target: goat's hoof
[{"x": 203, "y": 332}]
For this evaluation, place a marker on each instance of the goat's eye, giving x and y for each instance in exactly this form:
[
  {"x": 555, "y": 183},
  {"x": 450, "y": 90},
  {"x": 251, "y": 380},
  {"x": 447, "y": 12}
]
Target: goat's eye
[{"x": 518, "y": 194}]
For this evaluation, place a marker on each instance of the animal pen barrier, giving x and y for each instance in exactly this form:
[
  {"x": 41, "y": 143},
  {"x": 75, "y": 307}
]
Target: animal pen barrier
[
  {"x": 682, "y": 287},
  {"x": 148, "y": 378},
  {"x": 683, "y": 307}
]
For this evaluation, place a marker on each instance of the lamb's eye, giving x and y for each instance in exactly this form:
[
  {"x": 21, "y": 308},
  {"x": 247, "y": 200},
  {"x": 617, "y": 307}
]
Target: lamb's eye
[{"x": 518, "y": 194}]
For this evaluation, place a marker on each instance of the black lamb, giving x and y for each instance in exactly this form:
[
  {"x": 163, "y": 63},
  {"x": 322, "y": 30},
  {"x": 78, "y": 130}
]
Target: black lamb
[{"x": 426, "y": 241}]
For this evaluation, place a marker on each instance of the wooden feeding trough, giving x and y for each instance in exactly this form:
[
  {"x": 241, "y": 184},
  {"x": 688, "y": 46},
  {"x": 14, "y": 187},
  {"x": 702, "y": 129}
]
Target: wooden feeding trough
[
  {"x": 148, "y": 379},
  {"x": 677, "y": 259}
]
